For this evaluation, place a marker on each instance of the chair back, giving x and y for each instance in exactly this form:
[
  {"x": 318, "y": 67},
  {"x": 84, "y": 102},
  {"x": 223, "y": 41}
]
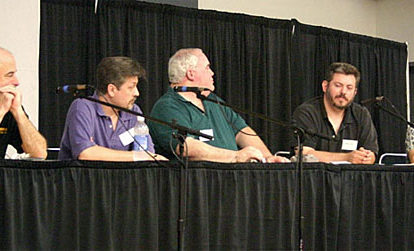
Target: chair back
[{"x": 393, "y": 158}]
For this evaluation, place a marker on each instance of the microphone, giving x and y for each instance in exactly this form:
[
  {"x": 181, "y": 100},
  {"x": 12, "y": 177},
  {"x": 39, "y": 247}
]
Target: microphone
[
  {"x": 73, "y": 88},
  {"x": 371, "y": 100},
  {"x": 189, "y": 89}
]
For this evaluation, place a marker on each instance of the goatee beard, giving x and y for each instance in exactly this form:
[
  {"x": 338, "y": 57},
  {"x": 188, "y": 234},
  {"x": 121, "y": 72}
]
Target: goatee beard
[{"x": 332, "y": 101}]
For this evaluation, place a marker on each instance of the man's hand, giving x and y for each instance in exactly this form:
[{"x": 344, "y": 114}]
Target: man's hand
[
  {"x": 160, "y": 157},
  {"x": 247, "y": 154},
  {"x": 33, "y": 142},
  {"x": 361, "y": 156},
  {"x": 7, "y": 97},
  {"x": 276, "y": 159},
  {"x": 17, "y": 101}
]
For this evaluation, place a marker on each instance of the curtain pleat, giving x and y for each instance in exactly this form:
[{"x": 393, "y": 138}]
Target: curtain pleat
[
  {"x": 382, "y": 64},
  {"x": 98, "y": 205},
  {"x": 267, "y": 66}
]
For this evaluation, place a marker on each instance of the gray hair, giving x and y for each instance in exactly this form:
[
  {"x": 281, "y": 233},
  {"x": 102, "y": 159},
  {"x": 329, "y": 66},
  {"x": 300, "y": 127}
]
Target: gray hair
[
  {"x": 344, "y": 68},
  {"x": 182, "y": 61},
  {"x": 115, "y": 70}
]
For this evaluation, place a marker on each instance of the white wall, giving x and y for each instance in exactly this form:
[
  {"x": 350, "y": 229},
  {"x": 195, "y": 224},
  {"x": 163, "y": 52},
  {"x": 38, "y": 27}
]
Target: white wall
[
  {"x": 391, "y": 19},
  {"x": 19, "y": 29},
  {"x": 357, "y": 16},
  {"x": 395, "y": 21}
]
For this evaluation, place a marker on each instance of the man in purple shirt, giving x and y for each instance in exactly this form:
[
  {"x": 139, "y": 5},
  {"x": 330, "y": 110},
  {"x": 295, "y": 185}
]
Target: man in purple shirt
[{"x": 97, "y": 132}]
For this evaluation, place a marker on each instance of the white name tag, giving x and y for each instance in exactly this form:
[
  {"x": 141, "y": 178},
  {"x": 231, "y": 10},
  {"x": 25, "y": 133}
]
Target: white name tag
[
  {"x": 209, "y": 132},
  {"x": 126, "y": 137},
  {"x": 349, "y": 144}
]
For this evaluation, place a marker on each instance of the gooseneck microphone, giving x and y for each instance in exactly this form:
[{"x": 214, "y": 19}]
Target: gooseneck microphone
[
  {"x": 73, "y": 88},
  {"x": 372, "y": 100},
  {"x": 189, "y": 89}
]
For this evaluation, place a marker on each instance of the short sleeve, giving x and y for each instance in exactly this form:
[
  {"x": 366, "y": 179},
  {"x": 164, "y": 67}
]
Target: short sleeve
[
  {"x": 409, "y": 139},
  {"x": 79, "y": 128}
]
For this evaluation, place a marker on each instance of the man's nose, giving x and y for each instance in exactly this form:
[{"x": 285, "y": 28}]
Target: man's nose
[
  {"x": 136, "y": 93},
  {"x": 15, "y": 81}
]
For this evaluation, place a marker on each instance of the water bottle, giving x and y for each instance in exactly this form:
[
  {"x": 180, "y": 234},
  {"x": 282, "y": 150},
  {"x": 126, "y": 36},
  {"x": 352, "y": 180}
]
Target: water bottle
[{"x": 140, "y": 135}]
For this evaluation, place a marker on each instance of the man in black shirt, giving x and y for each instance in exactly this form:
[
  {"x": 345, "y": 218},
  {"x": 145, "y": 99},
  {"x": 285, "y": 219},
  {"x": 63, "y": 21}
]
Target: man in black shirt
[
  {"x": 15, "y": 128},
  {"x": 334, "y": 114}
]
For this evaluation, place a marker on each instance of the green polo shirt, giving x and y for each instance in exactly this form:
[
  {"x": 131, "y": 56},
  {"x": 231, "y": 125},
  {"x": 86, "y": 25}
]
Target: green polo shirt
[{"x": 222, "y": 121}]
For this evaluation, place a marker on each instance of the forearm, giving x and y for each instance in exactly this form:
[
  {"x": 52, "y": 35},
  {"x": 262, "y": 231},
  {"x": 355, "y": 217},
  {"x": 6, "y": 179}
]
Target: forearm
[
  {"x": 247, "y": 137},
  {"x": 107, "y": 154},
  {"x": 411, "y": 156},
  {"x": 323, "y": 156},
  {"x": 197, "y": 150},
  {"x": 360, "y": 156},
  {"x": 33, "y": 142},
  {"x": 3, "y": 113},
  {"x": 1, "y": 117}
]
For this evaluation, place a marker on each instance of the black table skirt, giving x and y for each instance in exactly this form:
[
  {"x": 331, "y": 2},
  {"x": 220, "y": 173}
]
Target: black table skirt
[{"x": 52, "y": 205}]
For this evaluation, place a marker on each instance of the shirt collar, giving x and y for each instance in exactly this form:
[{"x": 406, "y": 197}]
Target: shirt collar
[
  {"x": 124, "y": 116},
  {"x": 347, "y": 118},
  {"x": 98, "y": 107},
  {"x": 171, "y": 92}
]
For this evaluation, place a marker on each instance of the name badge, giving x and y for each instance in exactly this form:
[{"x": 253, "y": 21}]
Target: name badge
[
  {"x": 126, "y": 137},
  {"x": 209, "y": 132},
  {"x": 349, "y": 144}
]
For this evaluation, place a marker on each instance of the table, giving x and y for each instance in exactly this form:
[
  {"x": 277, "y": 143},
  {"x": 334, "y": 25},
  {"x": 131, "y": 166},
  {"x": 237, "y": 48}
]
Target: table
[{"x": 107, "y": 205}]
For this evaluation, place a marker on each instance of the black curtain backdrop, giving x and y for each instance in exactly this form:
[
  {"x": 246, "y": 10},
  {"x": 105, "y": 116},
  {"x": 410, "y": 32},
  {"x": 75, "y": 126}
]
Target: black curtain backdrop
[
  {"x": 84, "y": 205},
  {"x": 411, "y": 76},
  {"x": 267, "y": 66},
  {"x": 382, "y": 64}
]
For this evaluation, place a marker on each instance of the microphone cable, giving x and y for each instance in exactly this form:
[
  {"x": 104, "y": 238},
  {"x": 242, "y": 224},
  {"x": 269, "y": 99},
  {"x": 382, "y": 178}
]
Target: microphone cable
[
  {"x": 230, "y": 123},
  {"x": 184, "y": 160},
  {"x": 392, "y": 106}
]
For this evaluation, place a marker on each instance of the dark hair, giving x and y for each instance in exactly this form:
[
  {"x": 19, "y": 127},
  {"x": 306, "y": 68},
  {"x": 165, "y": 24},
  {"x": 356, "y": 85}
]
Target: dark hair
[
  {"x": 344, "y": 68},
  {"x": 114, "y": 70}
]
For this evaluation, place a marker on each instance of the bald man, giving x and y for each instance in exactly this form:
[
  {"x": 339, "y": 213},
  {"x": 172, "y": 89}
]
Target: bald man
[{"x": 15, "y": 127}]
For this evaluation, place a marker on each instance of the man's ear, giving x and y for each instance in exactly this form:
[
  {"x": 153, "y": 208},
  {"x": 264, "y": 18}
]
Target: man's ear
[
  {"x": 111, "y": 90},
  {"x": 190, "y": 75},
  {"x": 324, "y": 85}
]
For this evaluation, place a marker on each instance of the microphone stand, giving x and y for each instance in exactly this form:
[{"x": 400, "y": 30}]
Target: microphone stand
[
  {"x": 300, "y": 133},
  {"x": 394, "y": 114},
  {"x": 162, "y": 122},
  {"x": 264, "y": 117},
  {"x": 181, "y": 136}
]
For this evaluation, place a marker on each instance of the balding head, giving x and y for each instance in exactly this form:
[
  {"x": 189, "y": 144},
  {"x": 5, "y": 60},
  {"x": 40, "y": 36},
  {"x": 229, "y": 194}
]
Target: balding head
[
  {"x": 7, "y": 68},
  {"x": 181, "y": 62},
  {"x": 5, "y": 53}
]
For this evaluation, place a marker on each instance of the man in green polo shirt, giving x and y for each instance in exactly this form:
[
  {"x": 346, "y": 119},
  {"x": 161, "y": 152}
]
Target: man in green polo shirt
[{"x": 234, "y": 140}]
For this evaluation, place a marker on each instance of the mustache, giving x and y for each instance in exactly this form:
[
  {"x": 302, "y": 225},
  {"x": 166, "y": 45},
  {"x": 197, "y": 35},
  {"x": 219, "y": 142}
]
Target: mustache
[{"x": 341, "y": 96}]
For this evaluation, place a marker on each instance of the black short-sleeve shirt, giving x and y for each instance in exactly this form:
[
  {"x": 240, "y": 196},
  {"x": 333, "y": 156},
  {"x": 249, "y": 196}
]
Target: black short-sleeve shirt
[
  {"x": 356, "y": 125},
  {"x": 9, "y": 134}
]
